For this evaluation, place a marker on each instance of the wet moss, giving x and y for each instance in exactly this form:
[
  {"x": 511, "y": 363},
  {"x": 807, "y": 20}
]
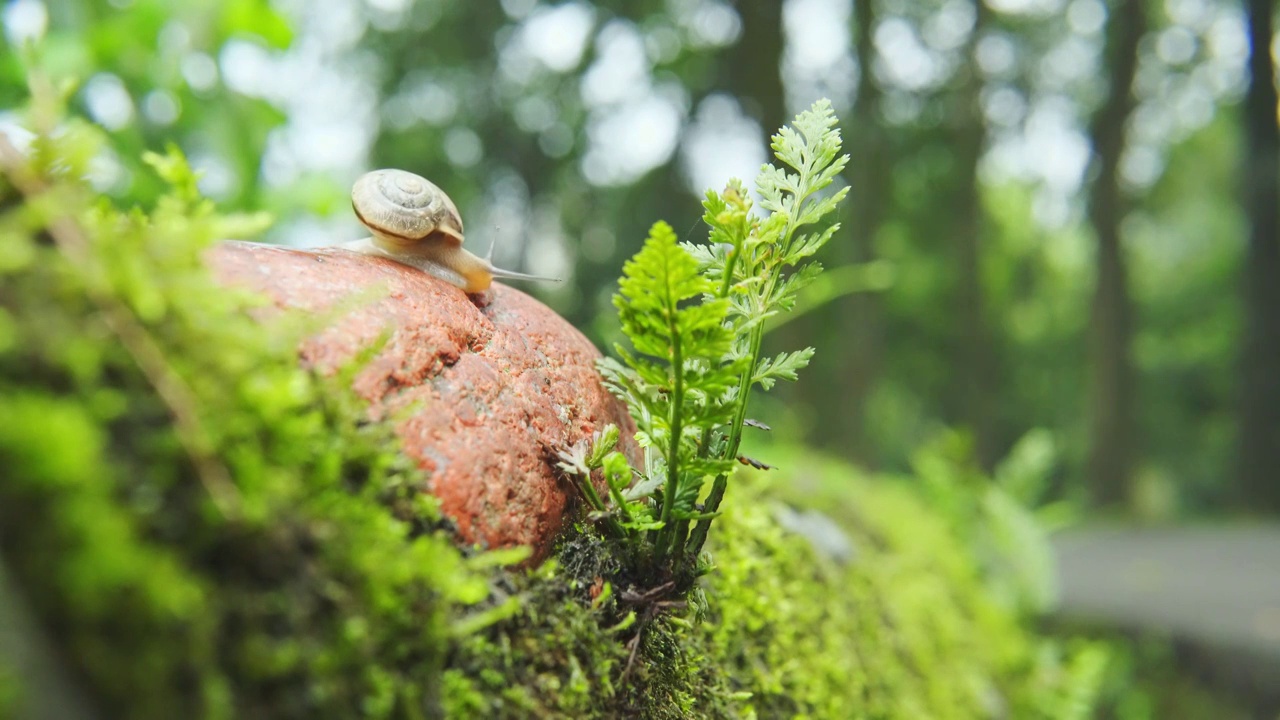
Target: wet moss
[
  {"x": 886, "y": 616},
  {"x": 198, "y": 528}
]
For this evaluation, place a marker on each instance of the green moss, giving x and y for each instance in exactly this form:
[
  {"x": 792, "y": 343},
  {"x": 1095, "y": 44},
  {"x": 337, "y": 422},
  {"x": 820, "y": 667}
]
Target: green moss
[
  {"x": 563, "y": 654},
  {"x": 895, "y": 623},
  {"x": 873, "y": 634},
  {"x": 200, "y": 527},
  {"x": 835, "y": 595},
  {"x": 269, "y": 554}
]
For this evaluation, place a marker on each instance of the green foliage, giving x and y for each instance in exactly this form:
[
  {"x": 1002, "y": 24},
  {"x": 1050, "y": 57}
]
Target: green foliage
[
  {"x": 212, "y": 531},
  {"x": 837, "y": 595},
  {"x": 564, "y": 654},
  {"x": 1001, "y": 517},
  {"x": 316, "y": 581},
  {"x": 11, "y": 694},
  {"x": 164, "y": 57},
  {"x": 1186, "y": 346},
  {"x": 873, "y": 562},
  {"x": 885, "y": 586},
  {"x": 675, "y": 381},
  {"x": 695, "y": 318},
  {"x": 1082, "y": 685},
  {"x": 1181, "y": 241},
  {"x": 104, "y": 476}
]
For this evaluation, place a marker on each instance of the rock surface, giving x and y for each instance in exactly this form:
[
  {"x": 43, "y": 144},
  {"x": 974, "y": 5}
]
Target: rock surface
[{"x": 496, "y": 383}]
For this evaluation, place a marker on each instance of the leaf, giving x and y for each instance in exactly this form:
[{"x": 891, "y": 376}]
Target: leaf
[
  {"x": 173, "y": 168},
  {"x": 817, "y": 210},
  {"x": 573, "y": 460},
  {"x": 687, "y": 496},
  {"x": 783, "y": 367},
  {"x": 784, "y": 297},
  {"x": 809, "y": 244},
  {"x": 705, "y": 255},
  {"x": 642, "y": 489},
  {"x": 821, "y": 139},
  {"x": 694, "y": 316},
  {"x": 616, "y": 470},
  {"x": 602, "y": 444},
  {"x": 775, "y": 186},
  {"x": 654, "y": 283}
]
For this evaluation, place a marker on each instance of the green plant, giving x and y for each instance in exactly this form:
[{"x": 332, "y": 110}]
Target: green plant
[
  {"x": 198, "y": 526},
  {"x": 695, "y": 318}
]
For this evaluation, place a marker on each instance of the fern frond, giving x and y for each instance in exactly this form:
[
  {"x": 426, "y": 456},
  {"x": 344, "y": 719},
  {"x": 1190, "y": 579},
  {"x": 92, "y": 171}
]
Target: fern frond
[{"x": 694, "y": 315}]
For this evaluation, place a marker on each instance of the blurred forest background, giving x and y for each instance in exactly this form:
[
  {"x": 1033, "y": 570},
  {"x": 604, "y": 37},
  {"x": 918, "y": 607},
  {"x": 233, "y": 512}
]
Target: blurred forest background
[{"x": 1063, "y": 222}]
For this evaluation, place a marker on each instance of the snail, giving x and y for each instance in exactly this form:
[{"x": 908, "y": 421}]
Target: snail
[{"x": 416, "y": 224}]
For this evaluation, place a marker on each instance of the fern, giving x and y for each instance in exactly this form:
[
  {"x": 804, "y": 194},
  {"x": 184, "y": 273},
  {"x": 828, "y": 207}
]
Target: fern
[{"x": 694, "y": 315}]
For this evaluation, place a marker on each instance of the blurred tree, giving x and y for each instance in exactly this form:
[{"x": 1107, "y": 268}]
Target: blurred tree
[
  {"x": 1259, "y": 452},
  {"x": 151, "y": 75},
  {"x": 968, "y": 126},
  {"x": 1112, "y": 435},
  {"x": 977, "y": 370},
  {"x": 750, "y": 68},
  {"x": 859, "y": 351},
  {"x": 1187, "y": 242}
]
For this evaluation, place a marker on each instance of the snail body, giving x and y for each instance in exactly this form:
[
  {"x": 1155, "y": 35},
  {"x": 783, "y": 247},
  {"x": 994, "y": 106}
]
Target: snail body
[{"x": 415, "y": 223}]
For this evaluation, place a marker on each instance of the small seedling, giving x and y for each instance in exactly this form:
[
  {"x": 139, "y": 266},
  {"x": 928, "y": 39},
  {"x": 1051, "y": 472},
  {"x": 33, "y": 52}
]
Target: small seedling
[{"x": 694, "y": 316}]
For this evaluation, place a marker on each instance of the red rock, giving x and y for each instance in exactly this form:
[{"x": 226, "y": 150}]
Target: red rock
[{"x": 499, "y": 382}]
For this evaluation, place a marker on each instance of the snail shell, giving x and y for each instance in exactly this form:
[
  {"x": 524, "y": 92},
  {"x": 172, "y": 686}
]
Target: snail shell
[
  {"x": 415, "y": 223},
  {"x": 402, "y": 210}
]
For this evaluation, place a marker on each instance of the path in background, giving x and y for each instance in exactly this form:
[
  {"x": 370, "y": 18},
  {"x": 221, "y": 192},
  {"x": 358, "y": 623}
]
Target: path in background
[{"x": 1215, "y": 588}]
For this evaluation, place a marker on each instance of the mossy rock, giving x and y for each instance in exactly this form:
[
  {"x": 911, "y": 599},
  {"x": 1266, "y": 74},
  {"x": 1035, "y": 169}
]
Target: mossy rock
[
  {"x": 882, "y": 615},
  {"x": 192, "y": 526}
]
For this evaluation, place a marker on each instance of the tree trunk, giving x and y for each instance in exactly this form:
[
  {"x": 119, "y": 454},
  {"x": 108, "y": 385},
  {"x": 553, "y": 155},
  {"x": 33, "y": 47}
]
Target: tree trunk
[
  {"x": 752, "y": 70},
  {"x": 849, "y": 331},
  {"x": 977, "y": 356},
  {"x": 1112, "y": 434},
  {"x": 860, "y": 345},
  {"x": 1259, "y": 451}
]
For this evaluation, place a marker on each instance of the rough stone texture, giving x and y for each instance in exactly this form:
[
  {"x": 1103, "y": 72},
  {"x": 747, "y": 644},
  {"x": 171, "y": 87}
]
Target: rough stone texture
[{"x": 497, "y": 382}]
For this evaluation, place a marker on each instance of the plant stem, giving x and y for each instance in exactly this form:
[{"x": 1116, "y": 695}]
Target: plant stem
[
  {"x": 589, "y": 491},
  {"x": 669, "y": 491},
  {"x": 704, "y": 446},
  {"x": 699, "y": 535},
  {"x": 621, "y": 503},
  {"x": 593, "y": 498}
]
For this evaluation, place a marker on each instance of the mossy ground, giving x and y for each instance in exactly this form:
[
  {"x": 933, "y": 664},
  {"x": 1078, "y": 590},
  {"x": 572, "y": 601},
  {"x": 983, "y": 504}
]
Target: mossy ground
[
  {"x": 901, "y": 626},
  {"x": 200, "y": 528},
  {"x": 194, "y": 527}
]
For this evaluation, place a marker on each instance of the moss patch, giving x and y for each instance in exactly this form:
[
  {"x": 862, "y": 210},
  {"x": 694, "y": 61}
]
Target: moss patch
[
  {"x": 200, "y": 529},
  {"x": 890, "y": 620},
  {"x": 894, "y": 623}
]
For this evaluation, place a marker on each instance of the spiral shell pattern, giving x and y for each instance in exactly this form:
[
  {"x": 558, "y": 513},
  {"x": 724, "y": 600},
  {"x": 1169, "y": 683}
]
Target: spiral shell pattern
[{"x": 403, "y": 208}]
